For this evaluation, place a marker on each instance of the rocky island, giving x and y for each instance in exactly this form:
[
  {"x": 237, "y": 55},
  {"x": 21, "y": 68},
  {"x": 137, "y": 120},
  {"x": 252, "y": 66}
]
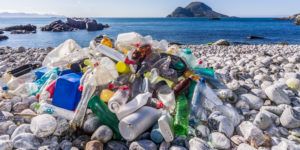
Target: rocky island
[{"x": 196, "y": 9}]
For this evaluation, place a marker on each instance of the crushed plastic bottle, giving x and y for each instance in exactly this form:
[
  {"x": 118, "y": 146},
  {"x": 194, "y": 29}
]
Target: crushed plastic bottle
[
  {"x": 166, "y": 95},
  {"x": 210, "y": 98},
  {"x": 118, "y": 99},
  {"x": 190, "y": 59}
]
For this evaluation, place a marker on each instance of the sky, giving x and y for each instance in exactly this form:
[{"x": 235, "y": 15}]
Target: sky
[{"x": 149, "y": 8}]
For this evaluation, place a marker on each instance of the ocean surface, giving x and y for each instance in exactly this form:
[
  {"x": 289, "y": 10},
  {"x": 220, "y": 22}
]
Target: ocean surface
[{"x": 181, "y": 30}]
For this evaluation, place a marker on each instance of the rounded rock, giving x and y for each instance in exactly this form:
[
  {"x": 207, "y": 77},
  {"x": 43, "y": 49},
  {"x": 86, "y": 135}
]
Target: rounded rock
[
  {"x": 103, "y": 134},
  {"x": 94, "y": 145},
  {"x": 43, "y": 125},
  {"x": 143, "y": 145},
  {"x": 219, "y": 140}
]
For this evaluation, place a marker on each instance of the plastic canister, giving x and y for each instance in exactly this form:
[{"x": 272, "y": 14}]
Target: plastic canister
[
  {"x": 122, "y": 67},
  {"x": 118, "y": 99},
  {"x": 137, "y": 123},
  {"x": 69, "y": 98},
  {"x": 165, "y": 123}
]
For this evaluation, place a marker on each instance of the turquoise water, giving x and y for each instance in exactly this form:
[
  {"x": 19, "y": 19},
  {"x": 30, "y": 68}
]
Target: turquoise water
[{"x": 182, "y": 30}]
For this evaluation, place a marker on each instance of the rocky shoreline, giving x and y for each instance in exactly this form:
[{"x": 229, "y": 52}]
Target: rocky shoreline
[{"x": 256, "y": 74}]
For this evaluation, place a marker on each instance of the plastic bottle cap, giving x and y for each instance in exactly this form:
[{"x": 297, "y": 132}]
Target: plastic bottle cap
[
  {"x": 200, "y": 62},
  {"x": 128, "y": 61},
  {"x": 122, "y": 67},
  {"x": 80, "y": 88},
  {"x": 5, "y": 88},
  {"x": 124, "y": 87},
  {"x": 159, "y": 104},
  {"x": 111, "y": 86}
]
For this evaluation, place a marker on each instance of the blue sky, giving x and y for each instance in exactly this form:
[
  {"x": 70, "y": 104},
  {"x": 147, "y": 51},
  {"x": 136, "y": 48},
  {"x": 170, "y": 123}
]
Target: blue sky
[{"x": 149, "y": 8}]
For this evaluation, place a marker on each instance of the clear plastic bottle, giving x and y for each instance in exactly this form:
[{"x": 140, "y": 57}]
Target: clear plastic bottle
[
  {"x": 111, "y": 53},
  {"x": 118, "y": 99},
  {"x": 45, "y": 108},
  {"x": 190, "y": 59},
  {"x": 210, "y": 97},
  {"x": 138, "y": 122},
  {"x": 133, "y": 105},
  {"x": 166, "y": 95},
  {"x": 13, "y": 83},
  {"x": 195, "y": 105}
]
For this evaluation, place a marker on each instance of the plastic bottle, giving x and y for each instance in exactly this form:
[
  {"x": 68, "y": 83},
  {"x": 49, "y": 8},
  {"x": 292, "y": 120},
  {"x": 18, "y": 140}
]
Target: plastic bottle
[
  {"x": 45, "y": 108},
  {"x": 190, "y": 59},
  {"x": 105, "y": 116},
  {"x": 210, "y": 97},
  {"x": 165, "y": 123},
  {"x": 80, "y": 65},
  {"x": 118, "y": 99},
  {"x": 23, "y": 69},
  {"x": 166, "y": 95},
  {"x": 111, "y": 53},
  {"x": 122, "y": 68},
  {"x": 140, "y": 85},
  {"x": 181, "y": 86},
  {"x": 13, "y": 83},
  {"x": 155, "y": 103},
  {"x": 106, "y": 94},
  {"x": 182, "y": 116},
  {"x": 135, "y": 124},
  {"x": 138, "y": 102},
  {"x": 154, "y": 77},
  {"x": 24, "y": 90},
  {"x": 45, "y": 80},
  {"x": 106, "y": 41},
  {"x": 195, "y": 105}
]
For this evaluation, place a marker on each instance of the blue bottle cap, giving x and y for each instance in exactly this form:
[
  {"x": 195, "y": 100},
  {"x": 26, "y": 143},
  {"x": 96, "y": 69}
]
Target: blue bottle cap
[{"x": 5, "y": 88}]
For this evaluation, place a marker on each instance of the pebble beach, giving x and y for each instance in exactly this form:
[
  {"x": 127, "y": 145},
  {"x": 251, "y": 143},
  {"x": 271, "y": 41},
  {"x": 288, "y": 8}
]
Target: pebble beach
[{"x": 263, "y": 113}]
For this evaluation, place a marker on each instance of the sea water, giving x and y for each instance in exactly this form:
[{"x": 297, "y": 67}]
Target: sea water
[{"x": 181, "y": 30}]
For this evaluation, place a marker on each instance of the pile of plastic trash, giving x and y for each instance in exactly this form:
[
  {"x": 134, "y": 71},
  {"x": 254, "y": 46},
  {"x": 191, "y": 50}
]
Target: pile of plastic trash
[{"x": 131, "y": 85}]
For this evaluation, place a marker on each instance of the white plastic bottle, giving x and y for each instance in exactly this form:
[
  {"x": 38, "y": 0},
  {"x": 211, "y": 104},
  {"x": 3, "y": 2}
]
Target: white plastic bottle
[
  {"x": 135, "y": 124},
  {"x": 45, "y": 108},
  {"x": 118, "y": 99},
  {"x": 129, "y": 108},
  {"x": 111, "y": 53},
  {"x": 165, "y": 123},
  {"x": 167, "y": 96}
]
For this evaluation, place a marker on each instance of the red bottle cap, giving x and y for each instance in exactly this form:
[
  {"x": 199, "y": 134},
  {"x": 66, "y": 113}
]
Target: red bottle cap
[
  {"x": 124, "y": 87},
  {"x": 111, "y": 86},
  {"x": 80, "y": 88},
  {"x": 128, "y": 61},
  {"x": 159, "y": 104},
  {"x": 200, "y": 62}
]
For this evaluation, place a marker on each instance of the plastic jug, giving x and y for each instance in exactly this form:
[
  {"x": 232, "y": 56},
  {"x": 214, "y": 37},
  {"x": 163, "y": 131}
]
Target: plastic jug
[
  {"x": 105, "y": 116},
  {"x": 135, "y": 124},
  {"x": 105, "y": 72},
  {"x": 190, "y": 59},
  {"x": 106, "y": 94},
  {"x": 69, "y": 98},
  {"x": 118, "y": 99},
  {"x": 133, "y": 105},
  {"x": 165, "y": 123},
  {"x": 181, "y": 120},
  {"x": 45, "y": 108},
  {"x": 166, "y": 95}
]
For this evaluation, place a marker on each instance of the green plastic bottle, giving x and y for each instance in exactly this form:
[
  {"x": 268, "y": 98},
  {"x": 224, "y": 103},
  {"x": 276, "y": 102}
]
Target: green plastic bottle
[
  {"x": 191, "y": 90},
  {"x": 105, "y": 115},
  {"x": 181, "y": 120},
  {"x": 209, "y": 72}
]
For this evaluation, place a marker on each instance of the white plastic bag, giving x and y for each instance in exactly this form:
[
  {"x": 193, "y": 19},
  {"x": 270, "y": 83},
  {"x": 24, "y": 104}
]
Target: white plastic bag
[
  {"x": 128, "y": 41},
  {"x": 105, "y": 72}
]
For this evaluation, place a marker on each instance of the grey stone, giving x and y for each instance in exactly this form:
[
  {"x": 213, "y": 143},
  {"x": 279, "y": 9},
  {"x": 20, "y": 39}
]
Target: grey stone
[
  {"x": 103, "y": 134},
  {"x": 221, "y": 123},
  {"x": 290, "y": 118},
  {"x": 262, "y": 120},
  {"x": 26, "y": 141},
  {"x": 4, "y": 126},
  {"x": 197, "y": 144},
  {"x": 202, "y": 131},
  {"x": 5, "y": 143},
  {"x": 91, "y": 125},
  {"x": 253, "y": 101},
  {"x": 115, "y": 145},
  {"x": 143, "y": 145},
  {"x": 219, "y": 140},
  {"x": 27, "y": 115},
  {"x": 250, "y": 132},
  {"x": 65, "y": 145},
  {"x": 81, "y": 141},
  {"x": 5, "y": 105},
  {"x": 20, "y": 106},
  {"x": 62, "y": 127},
  {"x": 23, "y": 128},
  {"x": 277, "y": 95},
  {"x": 177, "y": 148},
  {"x": 164, "y": 146},
  {"x": 43, "y": 125},
  {"x": 245, "y": 146}
]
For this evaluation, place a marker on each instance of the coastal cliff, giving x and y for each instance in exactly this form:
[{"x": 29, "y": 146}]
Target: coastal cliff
[{"x": 196, "y": 9}]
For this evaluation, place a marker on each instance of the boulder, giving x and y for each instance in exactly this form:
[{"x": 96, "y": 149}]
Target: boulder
[
  {"x": 57, "y": 26},
  {"x": 3, "y": 37},
  {"x": 197, "y": 143},
  {"x": 93, "y": 26},
  {"x": 297, "y": 20},
  {"x": 1, "y": 31},
  {"x": 78, "y": 23},
  {"x": 222, "y": 42},
  {"x": 27, "y": 28},
  {"x": 277, "y": 95},
  {"x": 254, "y": 37}
]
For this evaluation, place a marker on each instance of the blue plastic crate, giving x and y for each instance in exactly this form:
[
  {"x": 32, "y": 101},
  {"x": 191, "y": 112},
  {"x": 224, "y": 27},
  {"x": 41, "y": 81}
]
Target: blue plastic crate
[{"x": 66, "y": 93}]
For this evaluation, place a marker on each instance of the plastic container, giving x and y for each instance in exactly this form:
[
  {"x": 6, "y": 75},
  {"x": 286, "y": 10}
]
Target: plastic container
[
  {"x": 118, "y": 99},
  {"x": 165, "y": 71},
  {"x": 165, "y": 123},
  {"x": 106, "y": 94},
  {"x": 135, "y": 124},
  {"x": 66, "y": 93},
  {"x": 181, "y": 120},
  {"x": 45, "y": 108},
  {"x": 133, "y": 105},
  {"x": 105, "y": 116},
  {"x": 167, "y": 96}
]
